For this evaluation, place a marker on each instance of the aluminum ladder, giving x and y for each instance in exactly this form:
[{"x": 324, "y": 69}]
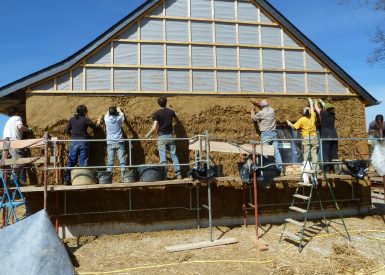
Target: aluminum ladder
[{"x": 305, "y": 197}]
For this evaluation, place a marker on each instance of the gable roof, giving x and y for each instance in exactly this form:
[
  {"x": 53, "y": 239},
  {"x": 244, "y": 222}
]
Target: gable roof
[{"x": 111, "y": 32}]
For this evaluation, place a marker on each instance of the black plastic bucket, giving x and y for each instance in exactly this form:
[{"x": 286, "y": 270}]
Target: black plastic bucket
[
  {"x": 129, "y": 176},
  {"x": 104, "y": 177},
  {"x": 218, "y": 168},
  {"x": 150, "y": 173}
]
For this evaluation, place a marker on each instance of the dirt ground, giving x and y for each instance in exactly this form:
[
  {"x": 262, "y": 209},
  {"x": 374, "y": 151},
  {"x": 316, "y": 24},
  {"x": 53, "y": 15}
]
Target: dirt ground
[{"x": 144, "y": 253}]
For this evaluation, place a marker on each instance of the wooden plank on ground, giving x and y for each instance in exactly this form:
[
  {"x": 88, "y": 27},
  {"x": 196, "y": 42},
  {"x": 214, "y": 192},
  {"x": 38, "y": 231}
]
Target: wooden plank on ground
[
  {"x": 191, "y": 246},
  {"x": 25, "y": 143},
  {"x": 226, "y": 147}
]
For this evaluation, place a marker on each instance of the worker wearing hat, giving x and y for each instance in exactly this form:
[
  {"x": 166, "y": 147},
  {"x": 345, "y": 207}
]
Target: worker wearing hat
[{"x": 329, "y": 132}]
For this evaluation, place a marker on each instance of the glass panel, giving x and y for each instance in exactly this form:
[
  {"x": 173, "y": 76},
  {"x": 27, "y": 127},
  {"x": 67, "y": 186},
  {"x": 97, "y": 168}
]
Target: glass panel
[
  {"x": 177, "y": 55},
  {"x": 177, "y": 31},
  {"x": 265, "y": 18},
  {"x": 273, "y": 82},
  {"x": 227, "y": 81},
  {"x": 178, "y": 81},
  {"x": 294, "y": 60},
  {"x": 227, "y": 57},
  {"x": 103, "y": 56},
  {"x": 248, "y": 34},
  {"x": 247, "y": 12},
  {"x": 152, "y": 80},
  {"x": 335, "y": 86},
  {"x": 251, "y": 82},
  {"x": 272, "y": 59},
  {"x": 77, "y": 79},
  {"x": 271, "y": 36},
  {"x": 224, "y": 9},
  {"x": 249, "y": 58},
  {"x": 125, "y": 79},
  {"x": 201, "y": 32},
  {"x": 125, "y": 53},
  {"x": 202, "y": 56},
  {"x": 176, "y": 8},
  {"x": 201, "y": 8},
  {"x": 225, "y": 33},
  {"x": 288, "y": 42},
  {"x": 151, "y": 54},
  {"x": 203, "y": 81},
  {"x": 98, "y": 79},
  {"x": 312, "y": 64},
  {"x": 131, "y": 33},
  {"x": 151, "y": 29},
  {"x": 295, "y": 83},
  {"x": 63, "y": 82},
  {"x": 158, "y": 10},
  {"x": 46, "y": 86},
  {"x": 316, "y": 83}
]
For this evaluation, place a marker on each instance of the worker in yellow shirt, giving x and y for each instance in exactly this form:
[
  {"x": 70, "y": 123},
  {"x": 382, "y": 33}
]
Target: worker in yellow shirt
[{"x": 309, "y": 134}]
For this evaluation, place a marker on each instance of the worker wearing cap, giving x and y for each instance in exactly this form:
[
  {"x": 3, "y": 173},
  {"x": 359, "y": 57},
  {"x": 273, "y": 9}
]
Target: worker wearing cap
[
  {"x": 328, "y": 131},
  {"x": 309, "y": 134},
  {"x": 376, "y": 130},
  {"x": 267, "y": 126}
]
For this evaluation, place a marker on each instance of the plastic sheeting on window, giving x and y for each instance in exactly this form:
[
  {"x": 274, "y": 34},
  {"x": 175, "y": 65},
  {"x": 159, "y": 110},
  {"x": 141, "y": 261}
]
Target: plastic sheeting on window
[
  {"x": 248, "y": 34},
  {"x": 77, "y": 79},
  {"x": 316, "y": 83},
  {"x": 294, "y": 60},
  {"x": 227, "y": 57},
  {"x": 224, "y": 9},
  {"x": 225, "y": 33},
  {"x": 295, "y": 83},
  {"x": 131, "y": 33},
  {"x": 125, "y": 53},
  {"x": 45, "y": 86},
  {"x": 271, "y": 36},
  {"x": 151, "y": 54},
  {"x": 177, "y": 8},
  {"x": 63, "y": 82},
  {"x": 264, "y": 18},
  {"x": 312, "y": 64},
  {"x": 151, "y": 29},
  {"x": 203, "y": 81},
  {"x": 178, "y": 80},
  {"x": 273, "y": 82},
  {"x": 201, "y": 31},
  {"x": 271, "y": 59},
  {"x": 98, "y": 79},
  {"x": 202, "y": 56},
  {"x": 249, "y": 58},
  {"x": 177, "y": 55},
  {"x": 227, "y": 81},
  {"x": 201, "y": 8},
  {"x": 103, "y": 56},
  {"x": 335, "y": 86},
  {"x": 152, "y": 80},
  {"x": 251, "y": 82},
  {"x": 288, "y": 41},
  {"x": 125, "y": 79},
  {"x": 247, "y": 11},
  {"x": 158, "y": 10},
  {"x": 177, "y": 31}
]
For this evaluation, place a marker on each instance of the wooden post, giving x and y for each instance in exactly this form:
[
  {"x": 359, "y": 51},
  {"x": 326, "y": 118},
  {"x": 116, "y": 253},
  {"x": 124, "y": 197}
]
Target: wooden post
[
  {"x": 46, "y": 161},
  {"x": 255, "y": 194}
]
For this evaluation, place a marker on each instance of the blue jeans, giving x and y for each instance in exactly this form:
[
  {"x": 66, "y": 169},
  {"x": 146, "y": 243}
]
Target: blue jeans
[
  {"x": 165, "y": 143},
  {"x": 118, "y": 147},
  {"x": 77, "y": 150},
  {"x": 266, "y": 137}
]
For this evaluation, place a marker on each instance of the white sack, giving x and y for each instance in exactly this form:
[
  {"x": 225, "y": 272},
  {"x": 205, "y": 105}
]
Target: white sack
[{"x": 378, "y": 159}]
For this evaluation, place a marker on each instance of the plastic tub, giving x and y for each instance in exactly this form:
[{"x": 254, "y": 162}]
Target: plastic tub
[
  {"x": 129, "y": 176},
  {"x": 82, "y": 177},
  {"x": 150, "y": 173},
  {"x": 104, "y": 177}
]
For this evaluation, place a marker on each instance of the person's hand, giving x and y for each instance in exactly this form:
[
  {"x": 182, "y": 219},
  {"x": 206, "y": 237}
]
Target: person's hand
[
  {"x": 119, "y": 110},
  {"x": 289, "y": 123},
  {"x": 254, "y": 102},
  {"x": 310, "y": 100},
  {"x": 148, "y": 135}
]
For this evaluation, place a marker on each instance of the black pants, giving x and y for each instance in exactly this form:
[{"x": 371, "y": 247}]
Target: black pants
[{"x": 329, "y": 152}]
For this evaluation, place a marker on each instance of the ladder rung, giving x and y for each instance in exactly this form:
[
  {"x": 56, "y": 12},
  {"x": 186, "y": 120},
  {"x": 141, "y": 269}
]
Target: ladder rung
[
  {"x": 304, "y": 184},
  {"x": 291, "y": 236},
  {"x": 15, "y": 204},
  {"x": 295, "y": 208},
  {"x": 295, "y": 222},
  {"x": 302, "y": 197}
]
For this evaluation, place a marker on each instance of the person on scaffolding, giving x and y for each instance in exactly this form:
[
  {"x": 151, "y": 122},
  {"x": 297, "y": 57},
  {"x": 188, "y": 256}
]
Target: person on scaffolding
[
  {"x": 309, "y": 134},
  {"x": 163, "y": 124},
  {"x": 328, "y": 131},
  {"x": 376, "y": 130},
  {"x": 267, "y": 126},
  {"x": 114, "y": 120},
  {"x": 77, "y": 129}
]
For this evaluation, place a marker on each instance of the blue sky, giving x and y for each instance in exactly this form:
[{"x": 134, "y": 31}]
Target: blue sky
[{"x": 36, "y": 34}]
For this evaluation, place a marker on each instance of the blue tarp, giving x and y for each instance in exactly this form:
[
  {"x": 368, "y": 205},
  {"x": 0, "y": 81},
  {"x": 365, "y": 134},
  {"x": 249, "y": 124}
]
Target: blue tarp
[{"x": 32, "y": 246}]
